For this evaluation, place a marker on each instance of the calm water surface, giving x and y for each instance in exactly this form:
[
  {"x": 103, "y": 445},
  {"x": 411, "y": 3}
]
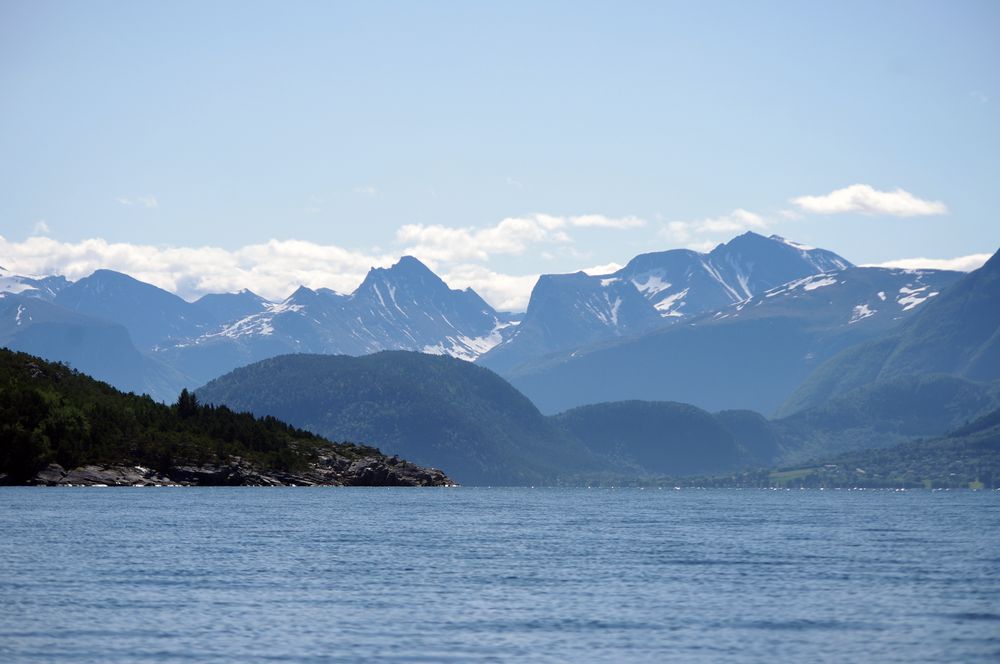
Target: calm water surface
[{"x": 263, "y": 575}]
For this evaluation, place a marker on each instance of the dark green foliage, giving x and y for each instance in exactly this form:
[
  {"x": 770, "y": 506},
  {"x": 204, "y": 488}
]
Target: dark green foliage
[
  {"x": 967, "y": 457},
  {"x": 656, "y": 437},
  {"x": 432, "y": 410},
  {"x": 51, "y": 413},
  {"x": 886, "y": 413}
]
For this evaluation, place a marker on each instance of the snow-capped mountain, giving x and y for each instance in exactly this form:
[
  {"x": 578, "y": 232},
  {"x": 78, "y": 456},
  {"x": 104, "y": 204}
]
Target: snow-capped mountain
[
  {"x": 956, "y": 333},
  {"x": 404, "y": 307},
  {"x": 231, "y": 307},
  {"x": 749, "y": 355},
  {"x": 847, "y": 297},
  {"x": 44, "y": 288},
  {"x": 749, "y": 318},
  {"x": 657, "y": 289},
  {"x": 573, "y": 310},
  {"x": 683, "y": 283}
]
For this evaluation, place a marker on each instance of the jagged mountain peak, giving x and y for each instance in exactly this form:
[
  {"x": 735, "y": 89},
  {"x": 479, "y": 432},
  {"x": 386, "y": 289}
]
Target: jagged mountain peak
[{"x": 408, "y": 272}]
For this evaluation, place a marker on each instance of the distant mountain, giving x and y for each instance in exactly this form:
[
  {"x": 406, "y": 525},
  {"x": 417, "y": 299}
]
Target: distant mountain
[
  {"x": 151, "y": 315},
  {"x": 569, "y": 311},
  {"x": 448, "y": 413},
  {"x": 573, "y": 311},
  {"x": 427, "y": 408},
  {"x": 405, "y": 307},
  {"x": 665, "y": 438},
  {"x": 44, "y": 288},
  {"x": 957, "y": 333},
  {"x": 896, "y": 410},
  {"x": 750, "y": 355},
  {"x": 966, "y": 457},
  {"x": 682, "y": 283},
  {"x": 227, "y": 308},
  {"x": 97, "y": 347}
]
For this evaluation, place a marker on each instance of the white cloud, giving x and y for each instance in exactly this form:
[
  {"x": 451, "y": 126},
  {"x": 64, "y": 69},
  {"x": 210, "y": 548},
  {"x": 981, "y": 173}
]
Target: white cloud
[
  {"x": 144, "y": 201},
  {"x": 600, "y": 221},
  {"x": 511, "y": 236},
  {"x": 703, "y": 246},
  {"x": 41, "y": 228},
  {"x": 607, "y": 268},
  {"x": 504, "y": 292},
  {"x": 961, "y": 263},
  {"x": 367, "y": 190},
  {"x": 865, "y": 199},
  {"x": 691, "y": 233},
  {"x": 274, "y": 268}
]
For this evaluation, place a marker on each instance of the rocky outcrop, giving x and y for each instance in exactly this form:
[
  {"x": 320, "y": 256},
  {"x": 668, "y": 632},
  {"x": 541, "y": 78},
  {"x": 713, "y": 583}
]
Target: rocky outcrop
[{"x": 331, "y": 470}]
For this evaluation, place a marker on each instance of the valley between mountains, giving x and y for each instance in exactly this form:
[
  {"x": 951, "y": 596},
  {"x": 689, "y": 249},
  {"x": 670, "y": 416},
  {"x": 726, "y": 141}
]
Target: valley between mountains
[{"x": 761, "y": 353}]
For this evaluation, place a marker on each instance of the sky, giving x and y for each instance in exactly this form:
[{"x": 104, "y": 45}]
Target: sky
[{"x": 217, "y": 146}]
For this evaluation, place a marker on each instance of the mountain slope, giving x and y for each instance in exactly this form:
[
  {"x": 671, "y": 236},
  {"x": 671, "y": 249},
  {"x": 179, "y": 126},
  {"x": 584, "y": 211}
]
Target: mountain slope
[
  {"x": 228, "y": 308},
  {"x": 656, "y": 438},
  {"x": 886, "y": 413},
  {"x": 50, "y": 414},
  {"x": 957, "y": 333},
  {"x": 99, "y": 348},
  {"x": 150, "y": 314},
  {"x": 405, "y": 307},
  {"x": 748, "y": 356},
  {"x": 573, "y": 311},
  {"x": 966, "y": 457},
  {"x": 44, "y": 288},
  {"x": 683, "y": 283},
  {"x": 430, "y": 409}
]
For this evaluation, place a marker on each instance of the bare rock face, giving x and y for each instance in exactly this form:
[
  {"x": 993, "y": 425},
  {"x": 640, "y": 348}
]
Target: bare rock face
[
  {"x": 56, "y": 475},
  {"x": 333, "y": 470},
  {"x": 393, "y": 472}
]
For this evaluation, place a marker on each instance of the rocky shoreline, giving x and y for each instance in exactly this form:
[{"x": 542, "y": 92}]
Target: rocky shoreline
[{"x": 331, "y": 470}]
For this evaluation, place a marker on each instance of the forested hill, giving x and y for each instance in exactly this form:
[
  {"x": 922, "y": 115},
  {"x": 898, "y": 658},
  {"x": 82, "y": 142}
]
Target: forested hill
[
  {"x": 431, "y": 409},
  {"x": 51, "y": 414}
]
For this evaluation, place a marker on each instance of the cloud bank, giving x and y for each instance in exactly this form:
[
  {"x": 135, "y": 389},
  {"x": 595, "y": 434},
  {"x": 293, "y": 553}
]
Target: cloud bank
[
  {"x": 961, "y": 263},
  {"x": 865, "y": 199},
  {"x": 276, "y": 268},
  {"x": 691, "y": 233},
  {"x": 511, "y": 236}
]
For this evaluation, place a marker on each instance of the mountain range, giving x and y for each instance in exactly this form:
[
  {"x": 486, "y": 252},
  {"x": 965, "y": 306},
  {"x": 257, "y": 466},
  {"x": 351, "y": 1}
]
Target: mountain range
[
  {"x": 752, "y": 354},
  {"x": 605, "y": 380},
  {"x": 444, "y": 411},
  {"x": 738, "y": 327},
  {"x": 652, "y": 291}
]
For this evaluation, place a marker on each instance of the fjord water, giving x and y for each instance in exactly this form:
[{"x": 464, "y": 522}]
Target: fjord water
[{"x": 263, "y": 575}]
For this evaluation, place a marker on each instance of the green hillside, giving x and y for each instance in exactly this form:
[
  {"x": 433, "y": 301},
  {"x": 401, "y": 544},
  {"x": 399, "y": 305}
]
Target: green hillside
[
  {"x": 957, "y": 333},
  {"x": 430, "y": 409},
  {"x": 968, "y": 457},
  {"x": 655, "y": 437},
  {"x": 50, "y": 413}
]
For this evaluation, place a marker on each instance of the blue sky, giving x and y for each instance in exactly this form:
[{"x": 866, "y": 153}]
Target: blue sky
[{"x": 362, "y": 131}]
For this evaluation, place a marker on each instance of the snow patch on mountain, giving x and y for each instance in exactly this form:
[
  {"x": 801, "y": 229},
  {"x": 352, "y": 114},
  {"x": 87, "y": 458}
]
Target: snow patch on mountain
[
  {"x": 652, "y": 284},
  {"x": 861, "y": 312},
  {"x": 911, "y": 297},
  {"x": 671, "y": 305}
]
